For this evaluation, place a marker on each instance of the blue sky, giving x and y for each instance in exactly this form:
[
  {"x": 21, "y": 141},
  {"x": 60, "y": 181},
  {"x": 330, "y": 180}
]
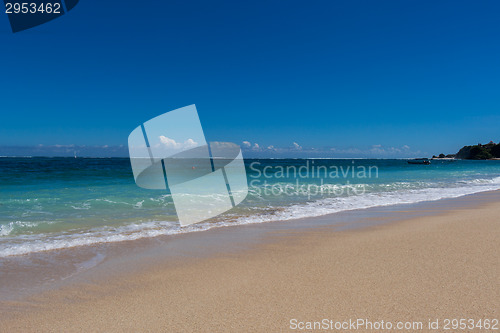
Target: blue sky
[{"x": 366, "y": 78}]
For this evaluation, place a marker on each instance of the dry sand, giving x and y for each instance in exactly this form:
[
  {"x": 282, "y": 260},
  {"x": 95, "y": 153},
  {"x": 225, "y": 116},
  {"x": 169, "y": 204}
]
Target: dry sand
[{"x": 436, "y": 267}]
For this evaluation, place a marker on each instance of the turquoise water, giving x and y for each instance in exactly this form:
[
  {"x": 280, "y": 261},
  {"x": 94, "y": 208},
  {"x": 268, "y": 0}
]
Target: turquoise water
[{"x": 54, "y": 203}]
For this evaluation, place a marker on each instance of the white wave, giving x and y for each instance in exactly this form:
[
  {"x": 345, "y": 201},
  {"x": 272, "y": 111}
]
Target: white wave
[
  {"x": 44, "y": 242},
  {"x": 84, "y": 206},
  {"x": 139, "y": 204},
  {"x": 7, "y": 229}
]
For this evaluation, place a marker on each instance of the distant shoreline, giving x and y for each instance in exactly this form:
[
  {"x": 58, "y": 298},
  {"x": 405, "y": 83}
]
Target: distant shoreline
[
  {"x": 276, "y": 158},
  {"x": 463, "y": 159}
]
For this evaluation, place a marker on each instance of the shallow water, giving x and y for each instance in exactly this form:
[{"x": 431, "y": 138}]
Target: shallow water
[{"x": 57, "y": 203}]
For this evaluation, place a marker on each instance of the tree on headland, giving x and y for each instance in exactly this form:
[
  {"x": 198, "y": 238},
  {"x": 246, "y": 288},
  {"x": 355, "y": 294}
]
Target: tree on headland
[
  {"x": 480, "y": 151},
  {"x": 495, "y": 151},
  {"x": 444, "y": 156}
]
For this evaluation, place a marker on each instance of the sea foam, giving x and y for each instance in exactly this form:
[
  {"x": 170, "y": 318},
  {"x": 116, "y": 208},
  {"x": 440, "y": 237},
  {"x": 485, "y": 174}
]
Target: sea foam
[{"x": 24, "y": 244}]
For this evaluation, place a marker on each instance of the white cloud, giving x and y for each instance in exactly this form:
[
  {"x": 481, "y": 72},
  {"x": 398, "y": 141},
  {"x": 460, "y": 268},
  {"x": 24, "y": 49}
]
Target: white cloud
[
  {"x": 297, "y": 146},
  {"x": 172, "y": 144},
  {"x": 371, "y": 151},
  {"x": 190, "y": 143},
  {"x": 169, "y": 143},
  {"x": 220, "y": 144}
]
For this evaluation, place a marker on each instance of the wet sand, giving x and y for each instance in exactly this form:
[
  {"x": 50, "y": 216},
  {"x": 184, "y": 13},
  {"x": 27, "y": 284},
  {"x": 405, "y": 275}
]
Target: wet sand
[{"x": 441, "y": 266}]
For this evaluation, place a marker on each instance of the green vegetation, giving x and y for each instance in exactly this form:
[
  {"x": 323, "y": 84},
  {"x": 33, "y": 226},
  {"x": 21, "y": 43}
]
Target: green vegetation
[
  {"x": 444, "y": 156},
  {"x": 480, "y": 152}
]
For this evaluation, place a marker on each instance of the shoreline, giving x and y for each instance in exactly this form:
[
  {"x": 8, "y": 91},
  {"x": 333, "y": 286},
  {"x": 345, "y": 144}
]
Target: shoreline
[
  {"x": 29, "y": 275},
  {"x": 260, "y": 266},
  {"x": 61, "y": 219}
]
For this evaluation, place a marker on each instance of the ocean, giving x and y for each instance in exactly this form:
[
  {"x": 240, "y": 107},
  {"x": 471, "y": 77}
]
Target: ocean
[{"x": 57, "y": 203}]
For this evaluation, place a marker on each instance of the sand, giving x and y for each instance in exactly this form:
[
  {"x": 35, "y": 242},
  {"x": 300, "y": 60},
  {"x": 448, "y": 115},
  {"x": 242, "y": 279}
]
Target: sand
[{"x": 428, "y": 268}]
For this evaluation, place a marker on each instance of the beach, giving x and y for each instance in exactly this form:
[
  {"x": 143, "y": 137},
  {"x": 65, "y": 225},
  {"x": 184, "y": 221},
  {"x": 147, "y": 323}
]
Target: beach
[
  {"x": 183, "y": 166},
  {"x": 441, "y": 266}
]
